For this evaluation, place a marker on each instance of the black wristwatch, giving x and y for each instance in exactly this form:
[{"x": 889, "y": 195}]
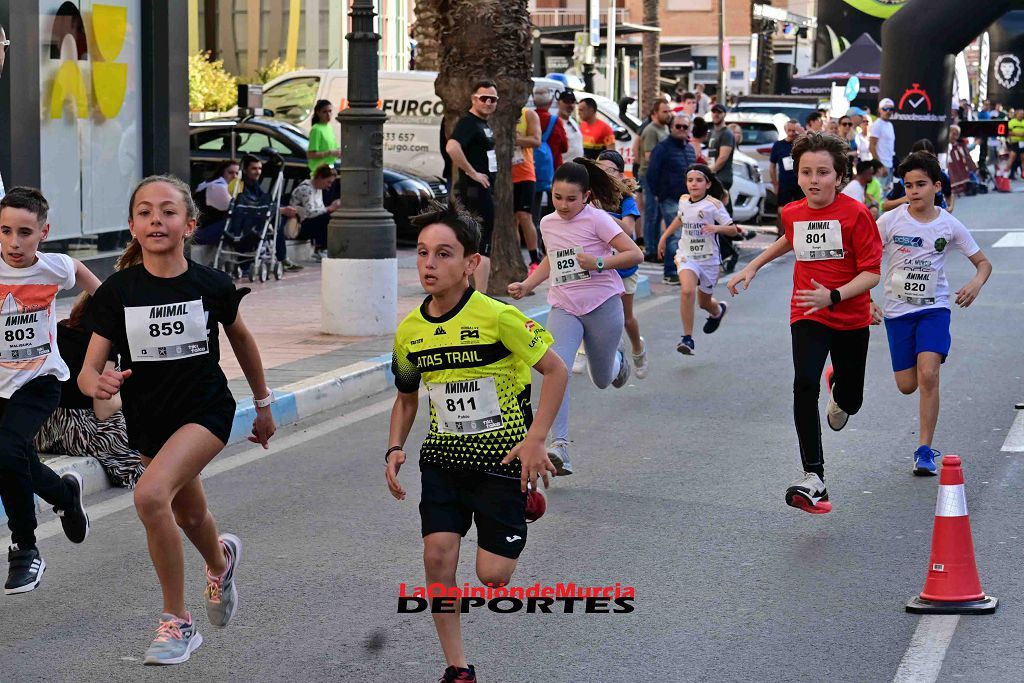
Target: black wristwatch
[{"x": 836, "y": 298}]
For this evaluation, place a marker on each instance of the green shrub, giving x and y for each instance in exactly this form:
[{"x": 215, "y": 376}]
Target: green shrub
[{"x": 210, "y": 87}]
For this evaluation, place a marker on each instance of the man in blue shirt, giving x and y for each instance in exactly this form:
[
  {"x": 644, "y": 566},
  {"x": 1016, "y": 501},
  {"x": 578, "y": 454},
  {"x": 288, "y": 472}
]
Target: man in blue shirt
[
  {"x": 666, "y": 176},
  {"x": 783, "y": 171}
]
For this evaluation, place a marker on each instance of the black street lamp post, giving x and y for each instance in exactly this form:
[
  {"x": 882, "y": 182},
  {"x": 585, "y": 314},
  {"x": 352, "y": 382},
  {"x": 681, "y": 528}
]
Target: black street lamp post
[{"x": 360, "y": 276}]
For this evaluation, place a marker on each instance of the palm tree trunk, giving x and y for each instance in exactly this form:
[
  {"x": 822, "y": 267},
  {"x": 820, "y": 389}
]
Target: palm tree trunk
[
  {"x": 489, "y": 39},
  {"x": 426, "y": 31},
  {"x": 650, "y": 87}
]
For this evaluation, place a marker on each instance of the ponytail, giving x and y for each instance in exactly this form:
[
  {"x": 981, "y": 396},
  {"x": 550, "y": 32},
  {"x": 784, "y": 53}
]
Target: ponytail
[
  {"x": 132, "y": 256},
  {"x": 588, "y": 175}
]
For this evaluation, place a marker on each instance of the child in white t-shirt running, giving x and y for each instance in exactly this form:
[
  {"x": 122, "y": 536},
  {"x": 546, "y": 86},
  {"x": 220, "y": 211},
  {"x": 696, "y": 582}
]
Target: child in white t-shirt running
[
  {"x": 916, "y": 238},
  {"x": 702, "y": 217},
  {"x": 31, "y": 372}
]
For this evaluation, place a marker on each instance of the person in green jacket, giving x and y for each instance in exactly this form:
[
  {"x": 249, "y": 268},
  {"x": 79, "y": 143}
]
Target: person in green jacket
[{"x": 323, "y": 145}]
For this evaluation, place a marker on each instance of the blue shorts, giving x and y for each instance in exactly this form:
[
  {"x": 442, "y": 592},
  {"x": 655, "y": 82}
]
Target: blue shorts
[{"x": 910, "y": 334}]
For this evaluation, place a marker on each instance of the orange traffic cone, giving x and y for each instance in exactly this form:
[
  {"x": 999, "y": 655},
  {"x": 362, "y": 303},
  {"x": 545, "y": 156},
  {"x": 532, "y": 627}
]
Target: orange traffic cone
[{"x": 952, "y": 585}]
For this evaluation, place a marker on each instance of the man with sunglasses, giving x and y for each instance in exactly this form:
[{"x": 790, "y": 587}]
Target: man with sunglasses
[
  {"x": 471, "y": 149},
  {"x": 666, "y": 176},
  {"x": 882, "y": 138},
  {"x": 4, "y": 44}
]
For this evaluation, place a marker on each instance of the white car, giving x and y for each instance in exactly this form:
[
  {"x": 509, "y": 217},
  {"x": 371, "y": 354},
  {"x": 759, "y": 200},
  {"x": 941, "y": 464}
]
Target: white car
[
  {"x": 747, "y": 192},
  {"x": 760, "y": 132}
]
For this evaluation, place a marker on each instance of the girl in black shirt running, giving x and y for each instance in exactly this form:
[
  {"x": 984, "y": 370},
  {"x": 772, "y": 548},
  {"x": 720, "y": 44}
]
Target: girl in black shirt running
[{"x": 160, "y": 312}]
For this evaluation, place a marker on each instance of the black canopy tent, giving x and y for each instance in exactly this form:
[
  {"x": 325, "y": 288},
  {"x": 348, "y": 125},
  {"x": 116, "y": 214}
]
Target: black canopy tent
[{"x": 862, "y": 59}]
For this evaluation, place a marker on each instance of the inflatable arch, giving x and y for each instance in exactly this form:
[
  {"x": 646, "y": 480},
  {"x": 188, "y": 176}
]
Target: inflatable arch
[{"x": 919, "y": 44}]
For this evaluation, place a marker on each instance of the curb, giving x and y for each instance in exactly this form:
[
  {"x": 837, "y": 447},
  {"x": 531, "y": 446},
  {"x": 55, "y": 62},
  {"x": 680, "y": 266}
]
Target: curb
[{"x": 292, "y": 403}]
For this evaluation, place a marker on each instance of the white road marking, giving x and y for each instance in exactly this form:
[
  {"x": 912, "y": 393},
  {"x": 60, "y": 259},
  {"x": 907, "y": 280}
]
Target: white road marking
[
  {"x": 923, "y": 659},
  {"x": 250, "y": 455},
  {"x": 1010, "y": 239},
  {"x": 1014, "y": 442}
]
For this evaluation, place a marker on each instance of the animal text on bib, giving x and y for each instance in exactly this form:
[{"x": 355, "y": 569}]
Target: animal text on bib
[
  {"x": 565, "y": 266},
  {"x": 167, "y": 331},
  {"x": 466, "y": 407},
  {"x": 914, "y": 286},
  {"x": 818, "y": 240},
  {"x": 25, "y": 335}
]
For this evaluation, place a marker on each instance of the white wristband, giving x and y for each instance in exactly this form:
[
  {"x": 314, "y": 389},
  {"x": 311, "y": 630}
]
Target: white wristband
[{"x": 263, "y": 402}]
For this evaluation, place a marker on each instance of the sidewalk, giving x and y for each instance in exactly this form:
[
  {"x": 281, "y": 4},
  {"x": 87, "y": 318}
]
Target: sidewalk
[{"x": 309, "y": 372}]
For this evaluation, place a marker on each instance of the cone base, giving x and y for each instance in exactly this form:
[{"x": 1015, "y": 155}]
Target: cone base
[{"x": 918, "y": 605}]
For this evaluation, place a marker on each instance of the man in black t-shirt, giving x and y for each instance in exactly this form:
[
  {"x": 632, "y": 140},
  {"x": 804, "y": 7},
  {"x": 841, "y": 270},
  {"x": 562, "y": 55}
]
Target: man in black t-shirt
[{"x": 473, "y": 162}]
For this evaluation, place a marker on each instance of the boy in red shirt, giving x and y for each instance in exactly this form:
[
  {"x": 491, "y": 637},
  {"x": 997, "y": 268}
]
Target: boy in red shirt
[{"x": 838, "y": 260}]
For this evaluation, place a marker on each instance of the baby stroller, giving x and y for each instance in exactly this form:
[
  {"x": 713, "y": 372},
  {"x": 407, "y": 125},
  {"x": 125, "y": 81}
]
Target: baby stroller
[{"x": 247, "y": 246}]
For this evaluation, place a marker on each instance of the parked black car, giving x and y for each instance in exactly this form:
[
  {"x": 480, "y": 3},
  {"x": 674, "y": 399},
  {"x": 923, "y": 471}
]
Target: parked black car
[{"x": 213, "y": 141}]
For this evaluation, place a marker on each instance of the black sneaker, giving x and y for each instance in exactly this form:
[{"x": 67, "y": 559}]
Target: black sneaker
[
  {"x": 671, "y": 280},
  {"x": 686, "y": 346},
  {"x": 26, "y": 570},
  {"x": 712, "y": 323},
  {"x": 729, "y": 264},
  {"x": 74, "y": 520},
  {"x": 453, "y": 674}
]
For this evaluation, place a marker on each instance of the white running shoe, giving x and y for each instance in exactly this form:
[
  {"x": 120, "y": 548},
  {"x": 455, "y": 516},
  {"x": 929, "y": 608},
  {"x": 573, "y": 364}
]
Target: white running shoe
[
  {"x": 640, "y": 360},
  {"x": 623, "y": 376},
  {"x": 809, "y": 494},
  {"x": 836, "y": 416},
  {"x": 579, "y": 365}
]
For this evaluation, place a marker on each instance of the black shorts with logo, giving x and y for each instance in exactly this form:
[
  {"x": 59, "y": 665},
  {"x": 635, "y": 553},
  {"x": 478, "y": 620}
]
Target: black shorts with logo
[
  {"x": 452, "y": 499},
  {"x": 523, "y": 196}
]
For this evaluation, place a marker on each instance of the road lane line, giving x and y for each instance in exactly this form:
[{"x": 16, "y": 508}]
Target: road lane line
[
  {"x": 1010, "y": 239},
  {"x": 250, "y": 455},
  {"x": 923, "y": 659},
  {"x": 1014, "y": 442}
]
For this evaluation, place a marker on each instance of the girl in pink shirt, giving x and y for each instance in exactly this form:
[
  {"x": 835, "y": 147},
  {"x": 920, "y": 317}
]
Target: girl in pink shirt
[{"x": 584, "y": 246}]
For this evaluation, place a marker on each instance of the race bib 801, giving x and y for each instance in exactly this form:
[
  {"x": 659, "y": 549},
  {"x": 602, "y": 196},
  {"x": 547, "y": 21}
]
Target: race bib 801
[{"x": 818, "y": 240}]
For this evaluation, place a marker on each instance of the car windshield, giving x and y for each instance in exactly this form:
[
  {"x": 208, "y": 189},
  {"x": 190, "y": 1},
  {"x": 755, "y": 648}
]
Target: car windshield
[
  {"x": 294, "y": 134},
  {"x": 798, "y": 113},
  {"x": 292, "y": 100},
  {"x": 758, "y": 133}
]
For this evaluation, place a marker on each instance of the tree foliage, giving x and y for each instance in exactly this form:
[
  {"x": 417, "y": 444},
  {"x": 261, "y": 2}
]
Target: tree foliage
[{"x": 210, "y": 87}]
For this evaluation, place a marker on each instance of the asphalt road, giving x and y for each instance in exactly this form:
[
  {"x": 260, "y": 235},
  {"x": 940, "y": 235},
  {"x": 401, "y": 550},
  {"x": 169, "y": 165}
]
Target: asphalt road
[{"x": 678, "y": 491}]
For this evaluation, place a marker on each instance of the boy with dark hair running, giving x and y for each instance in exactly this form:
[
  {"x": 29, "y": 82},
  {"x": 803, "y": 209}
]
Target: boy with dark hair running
[
  {"x": 31, "y": 371},
  {"x": 916, "y": 237},
  {"x": 484, "y": 448}
]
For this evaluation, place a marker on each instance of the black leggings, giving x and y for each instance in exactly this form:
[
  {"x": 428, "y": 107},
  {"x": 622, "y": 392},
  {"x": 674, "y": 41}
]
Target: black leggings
[
  {"x": 813, "y": 342},
  {"x": 21, "y": 473}
]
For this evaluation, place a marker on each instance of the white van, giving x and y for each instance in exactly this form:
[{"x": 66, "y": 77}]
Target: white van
[{"x": 412, "y": 132}]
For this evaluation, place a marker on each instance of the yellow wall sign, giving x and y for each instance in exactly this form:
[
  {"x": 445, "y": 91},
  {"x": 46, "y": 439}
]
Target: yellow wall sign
[{"x": 109, "y": 77}]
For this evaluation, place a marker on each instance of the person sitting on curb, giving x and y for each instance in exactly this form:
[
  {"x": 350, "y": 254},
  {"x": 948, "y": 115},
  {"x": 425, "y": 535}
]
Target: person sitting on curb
[
  {"x": 84, "y": 426},
  {"x": 307, "y": 206}
]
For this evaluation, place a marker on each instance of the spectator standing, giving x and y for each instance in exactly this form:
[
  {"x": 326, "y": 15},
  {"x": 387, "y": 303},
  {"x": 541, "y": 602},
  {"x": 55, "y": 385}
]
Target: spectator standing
[
  {"x": 471, "y": 149},
  {"x": 666, "y": 175},
  {"x": 323, "y": 145},
  {"x": 783, "y": 172},
  {"x": 721, "y": 145},
  {"x": 597, "y": 135},
  {"x": 524, "y": 180},
  {"x": 686, "y": 103},
  {"x": 703, "y": 101},
  {"x": 557, "y": 145},
  {"x": 573, "y": 133},
  {"x": 654, "y": 133},
  {"x": 882, "y": 138},
  {"x": 1016, "y": 128},
  {"x": 857, "y": 187},
  {"x": 961, "y": 165},
  {"x": 815, "y": 122}
]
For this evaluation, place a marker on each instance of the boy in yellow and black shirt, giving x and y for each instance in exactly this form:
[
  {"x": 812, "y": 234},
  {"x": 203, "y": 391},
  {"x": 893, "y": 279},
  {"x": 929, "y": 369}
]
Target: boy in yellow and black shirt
[{"x": 474, "y": 355}]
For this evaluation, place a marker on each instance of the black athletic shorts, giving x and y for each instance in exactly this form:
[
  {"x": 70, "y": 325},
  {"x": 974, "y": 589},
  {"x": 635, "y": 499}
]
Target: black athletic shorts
[
  {"x": 522, "y": 196},
  {"x": 452, "y": 499},
  {"x": 478, "y": 201},
  {"x": 148, "y": 436}
]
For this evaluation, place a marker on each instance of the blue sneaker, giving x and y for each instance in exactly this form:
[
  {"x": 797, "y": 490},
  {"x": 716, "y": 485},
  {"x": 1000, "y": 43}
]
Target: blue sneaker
[
  {"x": 685, "y": 346},
  {"x": 924, "y": 461}
]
